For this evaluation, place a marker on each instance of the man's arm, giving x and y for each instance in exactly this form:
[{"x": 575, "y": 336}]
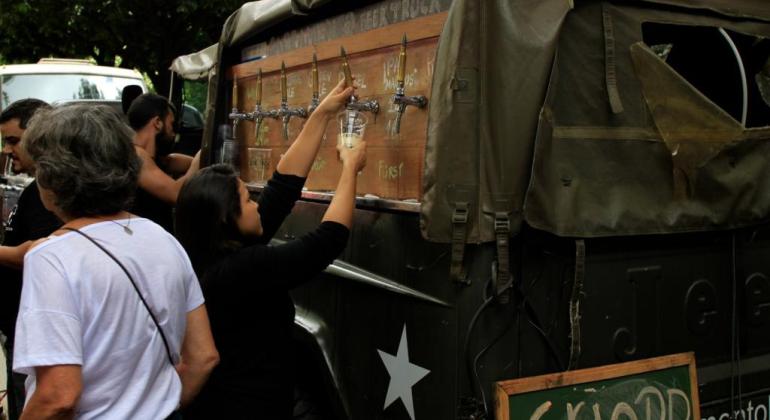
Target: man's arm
[
  {"x": 13, "y": 256},
  {"x": 57, "y": 393},
  {"x": 157, "y": 183},
  {"x": 199, "y": 355},
  {"x": 177, "y": 164}
]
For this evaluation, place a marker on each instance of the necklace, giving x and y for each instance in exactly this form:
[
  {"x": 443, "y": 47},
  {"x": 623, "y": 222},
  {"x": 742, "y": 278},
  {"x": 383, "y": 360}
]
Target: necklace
[{"x": 125, "y": 227}]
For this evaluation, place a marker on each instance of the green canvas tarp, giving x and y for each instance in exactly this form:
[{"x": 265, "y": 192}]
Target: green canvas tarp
[
  {"x": 663, "y": 158},
  {"x": 558, "y": 115}
]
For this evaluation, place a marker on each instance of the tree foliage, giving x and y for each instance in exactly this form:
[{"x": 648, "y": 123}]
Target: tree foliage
[{"x": 145, "y": 34}]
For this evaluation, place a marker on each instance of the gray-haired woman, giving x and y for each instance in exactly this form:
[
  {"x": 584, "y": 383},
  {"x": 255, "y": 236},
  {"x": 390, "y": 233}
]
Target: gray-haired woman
[{"x": 112, "y": 322}]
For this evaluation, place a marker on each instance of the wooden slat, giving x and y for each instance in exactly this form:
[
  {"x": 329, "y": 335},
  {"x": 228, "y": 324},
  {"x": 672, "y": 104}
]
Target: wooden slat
[
  {"x": 416, "y": 29},
  {"x": 502, "y": 407},
  {"x": 375, "y": 74},
  {"x": 555, "y": 380},
  {"x": 694, "y": 396}
]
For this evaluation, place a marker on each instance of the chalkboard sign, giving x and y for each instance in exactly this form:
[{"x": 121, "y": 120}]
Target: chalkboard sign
[{"x": 658, "y": 388}]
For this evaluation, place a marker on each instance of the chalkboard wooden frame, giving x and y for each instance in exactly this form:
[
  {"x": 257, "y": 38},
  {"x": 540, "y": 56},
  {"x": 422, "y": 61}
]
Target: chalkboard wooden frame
[{"x": 504, "y": 389}]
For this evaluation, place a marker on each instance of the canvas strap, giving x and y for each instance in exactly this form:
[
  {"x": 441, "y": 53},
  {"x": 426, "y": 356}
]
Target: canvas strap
[
  {"x": 610, "y": 72},
  {"x": 459, "y": 231}
]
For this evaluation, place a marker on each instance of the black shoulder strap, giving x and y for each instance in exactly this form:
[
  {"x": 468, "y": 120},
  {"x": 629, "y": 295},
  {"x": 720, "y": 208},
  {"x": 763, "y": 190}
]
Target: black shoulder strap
[{"x": 133, "y": 283}]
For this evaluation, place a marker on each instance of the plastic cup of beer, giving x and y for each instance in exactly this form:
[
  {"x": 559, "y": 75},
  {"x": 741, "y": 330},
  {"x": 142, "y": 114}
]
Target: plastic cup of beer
[
  {"x": 259, "y": 165},
  {"x": 352, "y": 127}
]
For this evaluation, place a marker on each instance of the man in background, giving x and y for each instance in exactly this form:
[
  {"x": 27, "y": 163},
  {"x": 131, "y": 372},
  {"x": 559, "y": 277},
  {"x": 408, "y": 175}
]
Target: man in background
[
  {"x": 29, "y": 221},
  {"x": 152, "y": 118}
]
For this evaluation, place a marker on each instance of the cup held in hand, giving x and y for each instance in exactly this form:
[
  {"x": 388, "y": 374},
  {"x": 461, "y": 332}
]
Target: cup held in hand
[{"x": 352, "y": 125}]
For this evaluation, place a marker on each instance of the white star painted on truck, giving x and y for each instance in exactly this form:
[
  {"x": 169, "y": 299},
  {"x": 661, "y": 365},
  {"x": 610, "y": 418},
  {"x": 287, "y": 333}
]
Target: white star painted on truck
[{"x": 403, "y": 375}]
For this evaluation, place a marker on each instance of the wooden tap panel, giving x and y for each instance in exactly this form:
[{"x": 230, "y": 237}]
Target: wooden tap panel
[{"x": 394, "y": 160}]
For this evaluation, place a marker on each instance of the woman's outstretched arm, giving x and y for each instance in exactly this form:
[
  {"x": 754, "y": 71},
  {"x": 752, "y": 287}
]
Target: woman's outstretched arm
[
  {"x": 296, "y": 261},
  {"x": 299, "y": 158}
]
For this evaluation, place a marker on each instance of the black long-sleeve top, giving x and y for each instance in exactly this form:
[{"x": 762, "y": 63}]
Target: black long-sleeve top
[
  {"x": 29, "y": 221},
  {"x": 251, "y": 312}
]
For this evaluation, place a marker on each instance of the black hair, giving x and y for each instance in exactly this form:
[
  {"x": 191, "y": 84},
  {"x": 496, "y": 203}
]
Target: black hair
[
  {"x": 206, "y": 216},
  {"x": 22, "y": 109},
  {"x": 146, "y": 107},
  {"x": 84, "y": 154},
  {"x": 127, "y": 96}
]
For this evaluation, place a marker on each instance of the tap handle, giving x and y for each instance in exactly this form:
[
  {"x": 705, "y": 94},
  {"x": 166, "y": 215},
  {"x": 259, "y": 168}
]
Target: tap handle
[
  {"x": 401, "y": 109},
  {"x": 284, "y": 90},
  {"x": 235, "y": 128},
  {"x": 235, "y": 93},
  {"x": 402, "y": 62},
  {"x": 257, "y": 125},
  {"x": 314, "y": 76},
  {"x": 285, "y": 121},
  {"x": 259, "y": 87},
  {"x": 346, "y": 67}
]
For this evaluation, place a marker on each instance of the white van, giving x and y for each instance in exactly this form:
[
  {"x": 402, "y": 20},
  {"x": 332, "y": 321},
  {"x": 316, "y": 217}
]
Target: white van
[{"x": 57, "y": 80}]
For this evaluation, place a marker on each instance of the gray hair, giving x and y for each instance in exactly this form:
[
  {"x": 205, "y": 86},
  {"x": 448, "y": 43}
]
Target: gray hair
[{"x": 84, "y": 154}]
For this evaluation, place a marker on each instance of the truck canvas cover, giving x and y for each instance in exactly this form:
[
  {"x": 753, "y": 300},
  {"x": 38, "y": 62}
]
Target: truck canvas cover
[
  {"x": 561, "y": 115},
  {"x": 569, "y": 116}
]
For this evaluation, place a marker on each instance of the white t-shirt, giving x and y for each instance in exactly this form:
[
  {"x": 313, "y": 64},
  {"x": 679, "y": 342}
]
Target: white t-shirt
[{"x": 78, "y": 307}]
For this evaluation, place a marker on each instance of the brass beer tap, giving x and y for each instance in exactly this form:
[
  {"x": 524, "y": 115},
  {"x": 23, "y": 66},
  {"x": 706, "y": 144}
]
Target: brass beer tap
[
  {"x": 315, "y": 101},
  {"x": 353, "y": 103},
  {"x": 400, "y": 98},
  {"x": 235, "y": 114},
  {"x": 259, "y": 114},
  {"x": 285, "y": 112}
]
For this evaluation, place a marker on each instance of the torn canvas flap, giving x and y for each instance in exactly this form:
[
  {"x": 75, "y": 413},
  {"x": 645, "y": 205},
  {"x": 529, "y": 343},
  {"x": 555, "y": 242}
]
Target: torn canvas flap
[{"x": 694, "y": 129}]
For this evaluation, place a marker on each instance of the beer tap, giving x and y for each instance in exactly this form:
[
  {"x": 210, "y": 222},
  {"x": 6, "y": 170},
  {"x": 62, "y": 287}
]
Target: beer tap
[
  {"x": 236, "y": 115},
  {"x": 400, "y": 98},
  {"x": 314, "y": 73},
  {"x": 259, "y": 114},
  {"x": 353, "y": 103},
  {"x": 285, "y": 112}
]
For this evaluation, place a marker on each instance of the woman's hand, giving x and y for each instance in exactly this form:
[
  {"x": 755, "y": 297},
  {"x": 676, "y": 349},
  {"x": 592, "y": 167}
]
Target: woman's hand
[
  {"x": 353, "y": 158},
  {"x": 341, "y": 208},
  {"x": 335, "y": 100}
]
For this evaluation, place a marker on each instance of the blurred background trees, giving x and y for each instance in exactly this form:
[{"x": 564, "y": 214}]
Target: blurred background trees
[{"x": 142, "y": 34}]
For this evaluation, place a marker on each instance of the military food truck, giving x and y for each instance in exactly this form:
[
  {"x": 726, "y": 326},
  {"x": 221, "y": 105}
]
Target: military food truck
[{"x": 551, "y": 185}]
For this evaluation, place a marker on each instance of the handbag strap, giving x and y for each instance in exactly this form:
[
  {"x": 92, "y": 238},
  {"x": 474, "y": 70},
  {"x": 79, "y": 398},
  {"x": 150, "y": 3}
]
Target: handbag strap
[{"x": 133, "y": 283}]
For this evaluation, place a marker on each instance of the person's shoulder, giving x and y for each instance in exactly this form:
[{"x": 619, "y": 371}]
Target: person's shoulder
[
  {"x": 245, "y": 255},
  {"x": 30, "y": 192},
  {"x": 157, "y": 235},
  {"x": 142, "y": 153},
  {"x": 149, "y": 227},
  {"x": 43, "y": 248},
  {"x": 32, "y": 186}
]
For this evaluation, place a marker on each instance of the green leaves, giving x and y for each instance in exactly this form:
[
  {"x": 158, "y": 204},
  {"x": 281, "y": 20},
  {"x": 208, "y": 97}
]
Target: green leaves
[{"x": 145, "y": 34}]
